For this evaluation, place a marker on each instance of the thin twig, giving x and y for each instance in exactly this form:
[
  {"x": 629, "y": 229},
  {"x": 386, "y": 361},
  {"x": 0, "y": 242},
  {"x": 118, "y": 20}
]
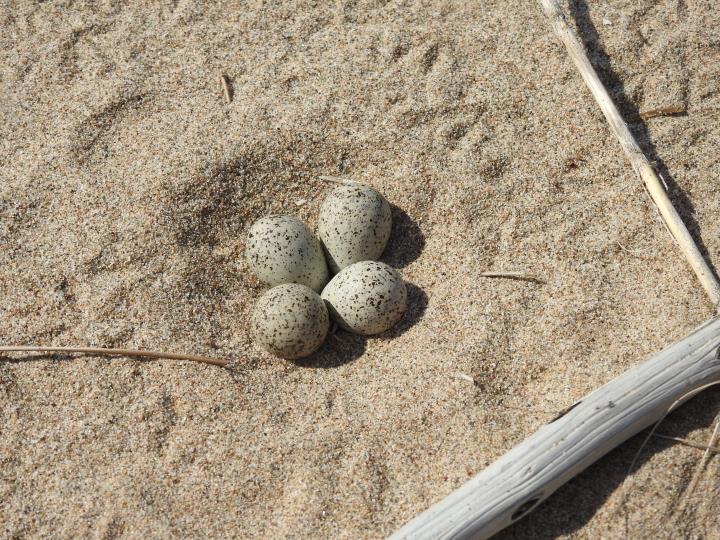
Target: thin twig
[
  {"x": 672, "y": 110},
  {"x": 713, "y": 439},
  {"x": 639, "y": 161},
  {"x": 714, "y": 449},
  {"x": 227, "y": 89},
  {"x": 513, "y": 275},
  {"x": 118, "y": 352}
]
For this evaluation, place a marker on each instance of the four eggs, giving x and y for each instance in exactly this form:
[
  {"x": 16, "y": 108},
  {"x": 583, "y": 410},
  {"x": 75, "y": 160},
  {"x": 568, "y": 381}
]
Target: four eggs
[{"x": 292, "y": 319}]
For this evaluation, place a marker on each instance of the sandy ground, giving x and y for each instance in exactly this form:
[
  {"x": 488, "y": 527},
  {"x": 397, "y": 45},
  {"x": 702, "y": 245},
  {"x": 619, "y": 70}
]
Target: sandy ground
[{"x": 126, "y": 185}]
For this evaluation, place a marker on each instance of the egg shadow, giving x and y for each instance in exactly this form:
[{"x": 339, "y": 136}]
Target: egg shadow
[
  {"x": 340, "y": 348},
  {"x": 407, "y": 240},
  {"x": 417, "y": 303}
]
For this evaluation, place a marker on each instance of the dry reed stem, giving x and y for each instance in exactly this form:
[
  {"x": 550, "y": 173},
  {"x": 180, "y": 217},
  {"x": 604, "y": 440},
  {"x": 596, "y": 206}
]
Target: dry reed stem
[
  {"x": 638, "y": 160},
  {"x": 118, "y": 352}
]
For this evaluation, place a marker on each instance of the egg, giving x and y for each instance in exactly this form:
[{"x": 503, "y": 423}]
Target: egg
[
  {"x": 366, "y": 298},
  {"x": 290, "y": 321},
  {"x": 354, "y": 225},
  {"x": 281, "y": 249}
]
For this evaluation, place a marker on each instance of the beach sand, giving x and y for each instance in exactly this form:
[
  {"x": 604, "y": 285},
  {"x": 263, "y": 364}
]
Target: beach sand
[{"x": 127, "y": 182}]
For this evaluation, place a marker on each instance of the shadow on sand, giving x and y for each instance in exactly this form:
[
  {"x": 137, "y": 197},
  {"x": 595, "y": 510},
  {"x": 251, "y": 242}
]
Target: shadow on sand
[
  {"x": 573, "y": 505},
  {"x": 343, "y": 347}
]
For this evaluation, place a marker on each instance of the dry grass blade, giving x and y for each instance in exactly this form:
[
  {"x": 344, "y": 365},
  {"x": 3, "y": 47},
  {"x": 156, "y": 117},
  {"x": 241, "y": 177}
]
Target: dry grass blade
[
  {"x": 513, "y": 275},
  {"x": 673, "y": 110},
  {"x": 685, "y": 499},
  {"x": 118, "y": 352},
  {"x": 227, "y": 89},
  {"x": 682, "y": 399},
  {"x": 685, "y": 442}
]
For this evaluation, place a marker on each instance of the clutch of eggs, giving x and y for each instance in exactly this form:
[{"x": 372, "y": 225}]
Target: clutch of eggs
[{"x": 365, "y": 297}]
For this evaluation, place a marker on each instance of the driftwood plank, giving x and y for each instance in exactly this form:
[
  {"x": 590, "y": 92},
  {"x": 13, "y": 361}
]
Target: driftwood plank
[{"x": 516, "y": 483}]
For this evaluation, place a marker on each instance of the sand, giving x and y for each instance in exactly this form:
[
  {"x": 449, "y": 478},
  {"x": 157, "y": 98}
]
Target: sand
[{"x": 127, "y": 182}]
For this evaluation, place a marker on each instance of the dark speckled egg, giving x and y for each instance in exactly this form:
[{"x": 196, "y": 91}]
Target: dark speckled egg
[
  {"x": 354, "y": 225},
  {"x": 290, "y": 321},
  {"x": 281, "y": 249},
  {"x": 366, "y": 298}
]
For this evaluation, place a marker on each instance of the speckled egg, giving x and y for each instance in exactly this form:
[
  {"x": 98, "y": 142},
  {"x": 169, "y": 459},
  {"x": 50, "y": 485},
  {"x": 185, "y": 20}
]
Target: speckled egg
[
  {"x": 290, "y": 321},
  {"x": 281, "y": 249},
  {"x": 354, "y": 225},
  {"x": 366, "y": 298}
]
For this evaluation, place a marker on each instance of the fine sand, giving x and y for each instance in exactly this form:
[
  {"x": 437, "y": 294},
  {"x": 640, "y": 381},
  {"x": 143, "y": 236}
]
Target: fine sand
[{"x": 127, "y": 182}]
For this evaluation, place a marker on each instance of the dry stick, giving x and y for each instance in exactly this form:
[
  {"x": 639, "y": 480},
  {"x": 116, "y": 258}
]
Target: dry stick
[
  {"x": 512, "y": 275},
  {"x": 640, "y": 163},
  {"x": 225, "y": 84},
  {"x": 118, "y": 352}
]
